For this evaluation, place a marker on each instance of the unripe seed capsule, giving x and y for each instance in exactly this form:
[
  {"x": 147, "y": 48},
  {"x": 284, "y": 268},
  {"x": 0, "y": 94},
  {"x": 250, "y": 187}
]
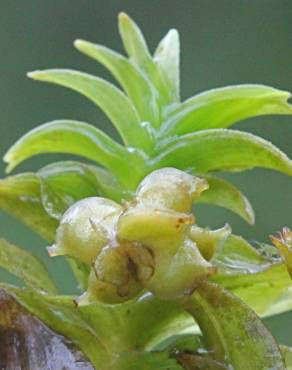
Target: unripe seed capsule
[
  {"x": 118, "y": 287},
  {"x": 112, "y": 266},
  {"x": 169, "y": 188},
  {"x": 85, "y": 228},
  {"x": 142, "y": 258},
  {"x": 156, "y": 229},
  {"x": 179, "y": 274}
]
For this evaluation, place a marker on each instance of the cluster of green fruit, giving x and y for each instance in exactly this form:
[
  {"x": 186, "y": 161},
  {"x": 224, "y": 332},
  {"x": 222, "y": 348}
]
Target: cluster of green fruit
[{"x": 149, "y": 243}]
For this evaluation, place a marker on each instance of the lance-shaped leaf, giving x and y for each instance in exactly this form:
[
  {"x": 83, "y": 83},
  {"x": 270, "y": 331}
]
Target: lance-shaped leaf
[
  {"x": 222, "y": 193},
  {"x": 110, "y": 99},
  {"x": 136, "y": 47},
  {"x": 27, "y": 343},
  {"x": 134, "y": 42},
  {"x": 64, "y": 183},
  {"x": 74, "y": 137},
  {"x": 221, "y": 149},
  {"x": 132, "y": 80},
  {"x": 167, "y": 57},
  {"x": 20, "y": 196},
  {"x": 222, "y": 107},
  {"x": 26, "y": 267},
  {"x": 232, "y": 332}
]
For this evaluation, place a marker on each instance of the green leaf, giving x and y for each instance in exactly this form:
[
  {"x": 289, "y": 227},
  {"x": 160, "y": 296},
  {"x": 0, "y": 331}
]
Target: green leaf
[
  {"x": 147, "y": 360},
  {"x": 108, "y": 184},
  {"x": 221, "y": 149},
  {"x": 136, "y": 48},
  {"x": 20, "y": 196},
  {"x": 74, "y": 137},
  {"x": 222, "y": 107},
  {"x": 64, "y": 183},
  {"x": 232, "y": 332},
  {"x": 110, "y": 99},
  {"x": 26, "y": 267},
  {"x": 27, "y": 343},
  {"x": 139, "y": 325},
  {"x": 238, "y": 256},
  {"x": 167, "y": 57},
  {"x": 247, "y": 273},
  {"x": 137, "y": 87},
  {"x": 134, "y": 42},
  {"x": 272, "y": 279},
  {"x": 287, "y": 353},
  {"x": 222, "y": 193}
]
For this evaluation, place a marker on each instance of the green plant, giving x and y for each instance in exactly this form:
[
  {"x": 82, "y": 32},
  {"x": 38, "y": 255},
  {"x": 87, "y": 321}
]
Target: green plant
[{"x": 150, "y": 276}]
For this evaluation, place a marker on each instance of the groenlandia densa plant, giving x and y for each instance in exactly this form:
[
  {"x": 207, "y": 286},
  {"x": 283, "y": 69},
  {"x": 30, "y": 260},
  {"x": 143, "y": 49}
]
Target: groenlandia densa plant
[{"x": 157, "y": 291}]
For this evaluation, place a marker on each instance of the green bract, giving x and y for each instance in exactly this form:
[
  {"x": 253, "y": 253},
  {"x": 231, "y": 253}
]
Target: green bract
[{"x": 159, "y": 291}]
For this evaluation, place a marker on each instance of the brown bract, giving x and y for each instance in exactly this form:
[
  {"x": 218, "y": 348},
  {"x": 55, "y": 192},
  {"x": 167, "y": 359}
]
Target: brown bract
[{"x": 26, "y": 343}]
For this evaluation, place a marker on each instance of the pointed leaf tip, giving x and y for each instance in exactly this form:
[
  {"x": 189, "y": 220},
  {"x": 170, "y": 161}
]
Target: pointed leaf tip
[
  {"x": 138, "y": 88},
  {"x": 122, "y": 16},
  {"x": 35, "y": 75},
  {"x": 79, "y": 42},
  {"x": 224, "y": 194},
  {"x": 167, "y": 58}
]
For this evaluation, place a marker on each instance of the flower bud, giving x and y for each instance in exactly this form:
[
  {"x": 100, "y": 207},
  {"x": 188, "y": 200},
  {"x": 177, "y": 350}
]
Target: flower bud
[
  {"x": 85, "y": 228},
  {"x": 169, "y": 188}
]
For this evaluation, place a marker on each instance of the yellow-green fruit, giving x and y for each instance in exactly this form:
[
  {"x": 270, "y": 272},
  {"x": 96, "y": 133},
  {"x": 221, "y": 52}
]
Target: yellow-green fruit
[
  {"x": 112, "y": 266},
  {"x": 85, "y": 228},
  {"x": 113, "y": 278},
  {"x": 171, "y": 189},
  {"x": 178, "y": 266},
  {"x": 142, "y": 259},
  {"x": 180, "y": 273},
  {"x": 156, "y": 229}
]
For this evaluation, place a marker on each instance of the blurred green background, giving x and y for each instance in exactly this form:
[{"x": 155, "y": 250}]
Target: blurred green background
[{"x": 223, "y": 42}]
